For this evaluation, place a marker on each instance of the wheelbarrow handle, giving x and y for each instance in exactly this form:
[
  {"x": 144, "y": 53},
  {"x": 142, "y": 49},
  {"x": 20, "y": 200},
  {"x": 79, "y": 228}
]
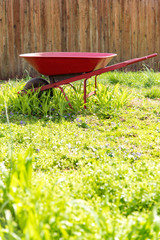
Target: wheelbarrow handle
[
  {"x": 135, "y": 60},
  {"x": 128, "y": 62}
]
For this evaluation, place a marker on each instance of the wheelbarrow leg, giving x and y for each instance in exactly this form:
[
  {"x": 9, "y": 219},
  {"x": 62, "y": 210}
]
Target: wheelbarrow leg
[
  {"x": 85, "y": 93},
  {"x": 95, "y": 84},
  {"x": 89, "y": 94},
  {"x": 64, "y": 94}
]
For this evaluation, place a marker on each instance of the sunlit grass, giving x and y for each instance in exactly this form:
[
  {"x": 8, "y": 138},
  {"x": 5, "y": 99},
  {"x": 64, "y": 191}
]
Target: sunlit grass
[{"x": 81, "y": 174}]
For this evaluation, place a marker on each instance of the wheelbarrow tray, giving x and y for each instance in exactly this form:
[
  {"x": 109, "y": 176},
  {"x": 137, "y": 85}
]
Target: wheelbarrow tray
[{"x": 63, "y": 63}]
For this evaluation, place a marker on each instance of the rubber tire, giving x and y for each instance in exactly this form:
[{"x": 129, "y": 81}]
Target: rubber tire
[{"x": 35, "y": 83}]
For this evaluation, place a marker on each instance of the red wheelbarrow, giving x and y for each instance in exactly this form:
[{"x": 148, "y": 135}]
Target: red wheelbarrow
[{"x": 67, "y": 67}]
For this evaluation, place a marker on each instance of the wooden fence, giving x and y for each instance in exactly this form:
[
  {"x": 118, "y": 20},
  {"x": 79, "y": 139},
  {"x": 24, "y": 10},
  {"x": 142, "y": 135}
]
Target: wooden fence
[{"x": 130, "y": 28}]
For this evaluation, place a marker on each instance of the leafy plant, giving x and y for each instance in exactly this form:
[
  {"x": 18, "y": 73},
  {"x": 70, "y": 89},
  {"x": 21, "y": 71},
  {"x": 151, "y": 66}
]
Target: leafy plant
[{"x": 111, "y": 100}]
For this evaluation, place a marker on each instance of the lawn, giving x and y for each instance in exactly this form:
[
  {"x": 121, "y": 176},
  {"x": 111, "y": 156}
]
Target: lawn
[{"x": 81, "y": 174}]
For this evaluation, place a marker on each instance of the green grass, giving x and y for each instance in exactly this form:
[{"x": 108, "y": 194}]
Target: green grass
[
  {"x": 153, "y": 92},
  {"x": 142, "y": 79},
  {"x": 81, "y": 174}
]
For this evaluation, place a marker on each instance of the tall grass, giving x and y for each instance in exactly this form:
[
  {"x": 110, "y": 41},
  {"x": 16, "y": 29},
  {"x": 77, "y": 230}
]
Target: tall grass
[
  {"x": 108, "y": 100},
  {"x": 142, "y": 79},
  {"x": 153, "y": 92}
]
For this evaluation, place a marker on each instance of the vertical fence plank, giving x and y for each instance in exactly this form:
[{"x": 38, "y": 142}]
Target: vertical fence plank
[
  {"x": 93, "y": 33},
  {"x": 142, "y": 28},
  {"x": 149, "y": 20},
  {"x": 134, "y": 23},
  {"x": 82, "y": 18},
  {"x": 127, "y": 31},
  {"x": 53, "y": 26},
  {"x": 5, "y": 42},
  {"x": 153, "y": 29},
  {"x": 117, "y": 27},
  {"x": 68, "y": 19},
  {"x": 157, "y": 31},
  {"x": 63, "y": 28},
  {"x": 96, "y": 26},
  {"x": 1, "y": 30},
  {"x": 112, "y": 26},
  {"x": 102, "y": 26},
  {"x": 153, "y": 25},
  {"x": 58, "y": 26},
  {"x": 17, "y": 33},
  {"x": 43, "y": 25},
  {"x": 87, "y": 27},
  {"x": 106, "y": 26},
  {"x": 91, "y": 25},
  {"x": 31, "y": 26},
  {"x": 10, "y": 28},
  {"x": 99, "y": 25},
  {"x": 37, "y": 26}
]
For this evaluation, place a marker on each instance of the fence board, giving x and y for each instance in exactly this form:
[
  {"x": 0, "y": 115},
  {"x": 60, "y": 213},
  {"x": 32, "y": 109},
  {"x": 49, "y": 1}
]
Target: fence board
[
  {"x": 130, "y": 28},
  {"x": 157, "y": 30}
]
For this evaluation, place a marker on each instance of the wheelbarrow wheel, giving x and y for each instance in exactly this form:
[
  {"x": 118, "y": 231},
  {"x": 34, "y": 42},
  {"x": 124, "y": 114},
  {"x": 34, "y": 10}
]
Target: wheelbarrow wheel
[{"x": 35, "y": 83}]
